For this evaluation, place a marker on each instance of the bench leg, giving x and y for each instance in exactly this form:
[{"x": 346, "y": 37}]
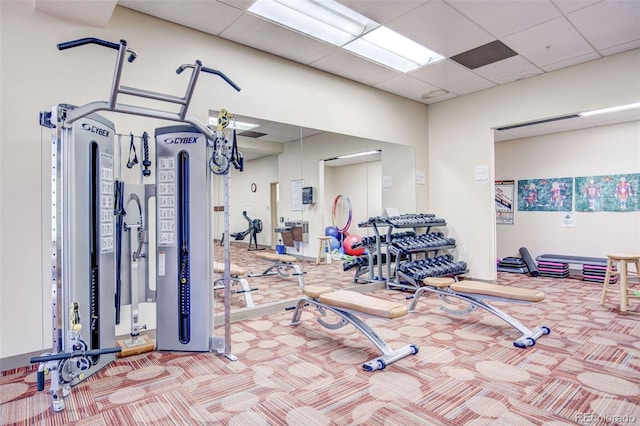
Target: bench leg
[
  {"x": 282, "y": 270},
  {"x": 389, "y": 355},
  {"x": 528, "y": 338},
  {"x": 246, "y": 292}
]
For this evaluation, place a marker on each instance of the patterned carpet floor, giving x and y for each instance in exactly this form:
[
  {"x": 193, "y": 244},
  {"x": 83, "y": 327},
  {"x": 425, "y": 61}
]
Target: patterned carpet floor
[{"x": 467, "y": 371}]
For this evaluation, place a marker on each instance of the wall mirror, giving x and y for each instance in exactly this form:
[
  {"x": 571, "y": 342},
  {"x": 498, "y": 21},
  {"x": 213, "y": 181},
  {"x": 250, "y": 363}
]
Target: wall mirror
[{"x": 349, "y": 180}]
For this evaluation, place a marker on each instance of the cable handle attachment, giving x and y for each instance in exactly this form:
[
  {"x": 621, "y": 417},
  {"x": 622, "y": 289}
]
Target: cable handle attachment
[{"x": 92, "y": 40}]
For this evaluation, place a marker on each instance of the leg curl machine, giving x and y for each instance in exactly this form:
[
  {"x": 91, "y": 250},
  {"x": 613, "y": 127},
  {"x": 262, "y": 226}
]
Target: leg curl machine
[
  {"x": 475, "y": 293},
  {"x": 346, "y": 304}
]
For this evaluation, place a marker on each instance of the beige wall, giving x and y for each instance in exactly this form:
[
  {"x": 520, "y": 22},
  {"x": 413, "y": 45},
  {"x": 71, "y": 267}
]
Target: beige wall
[
  {"x": 35, "y": 76},
  {"x": 613, "y": 149},
  {"x": 461, "y": 138}
]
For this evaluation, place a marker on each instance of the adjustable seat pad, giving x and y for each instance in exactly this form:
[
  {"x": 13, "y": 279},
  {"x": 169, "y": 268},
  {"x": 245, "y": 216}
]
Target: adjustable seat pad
[
  {"x": 277, "y": 257},
  {"x": 355, "y": 301},
  {"x": 234, "y": 270}
]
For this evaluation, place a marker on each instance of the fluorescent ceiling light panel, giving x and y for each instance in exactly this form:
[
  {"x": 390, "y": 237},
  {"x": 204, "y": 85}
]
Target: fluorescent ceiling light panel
[
  {"x": 610, "y": 110},
  {"x": 359, "y": 154},
  {"x": 389, "y": 48},
  {"x": 326, "y": 20}
]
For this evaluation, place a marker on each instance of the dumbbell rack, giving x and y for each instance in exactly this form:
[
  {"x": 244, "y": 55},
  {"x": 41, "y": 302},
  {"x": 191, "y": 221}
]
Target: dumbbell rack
[{"x": 407, "y": 245}]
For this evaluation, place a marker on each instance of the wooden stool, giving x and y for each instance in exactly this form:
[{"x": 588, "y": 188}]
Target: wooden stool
[
  {"x": 623, "y": 274},
  {"x": 325, "y": 244}
]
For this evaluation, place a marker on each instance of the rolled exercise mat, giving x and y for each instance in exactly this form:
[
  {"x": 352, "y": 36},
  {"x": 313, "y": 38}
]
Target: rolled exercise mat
[{"x": 533, "y": 270}]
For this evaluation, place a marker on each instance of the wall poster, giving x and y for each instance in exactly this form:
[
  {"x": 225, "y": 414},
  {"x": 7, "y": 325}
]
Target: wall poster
[
  {"x": 296, "y": 195},
  {"x": 504, "y": 202},
  {"x": 609, "y": 193},
  {"x": 549, "y": 195}
]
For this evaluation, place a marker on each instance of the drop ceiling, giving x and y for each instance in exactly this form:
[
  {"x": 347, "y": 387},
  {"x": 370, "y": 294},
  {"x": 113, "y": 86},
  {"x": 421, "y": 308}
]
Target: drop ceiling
[{"x": 544, "y": 36}]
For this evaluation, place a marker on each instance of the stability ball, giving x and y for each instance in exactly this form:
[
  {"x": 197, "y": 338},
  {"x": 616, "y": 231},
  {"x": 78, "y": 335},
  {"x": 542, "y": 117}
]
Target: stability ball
[
  {"x": 349, "y": 241},
  {"x": 334, "y": 243},
  {"x": 332, "y": 231}
]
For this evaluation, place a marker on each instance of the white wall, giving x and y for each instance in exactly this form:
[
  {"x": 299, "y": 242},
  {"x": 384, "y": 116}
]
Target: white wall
[
  {"x": 461, "y": 138},
  {"x": 35, "y": 76},
  {"x": 613, "y": 149}
]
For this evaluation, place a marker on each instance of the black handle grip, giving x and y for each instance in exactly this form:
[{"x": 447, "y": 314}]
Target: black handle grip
[
  {"x": 67, "y": 355},
  {"x": 92, "y": 40},
  {"x": 89, "y": 40},
  {"x": 40, "y": 380},
  {"x": 224, "y": 77}
]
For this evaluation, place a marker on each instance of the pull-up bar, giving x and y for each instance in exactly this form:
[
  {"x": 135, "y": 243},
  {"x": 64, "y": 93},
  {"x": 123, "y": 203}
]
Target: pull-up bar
[{"x": 116, "y": 89}]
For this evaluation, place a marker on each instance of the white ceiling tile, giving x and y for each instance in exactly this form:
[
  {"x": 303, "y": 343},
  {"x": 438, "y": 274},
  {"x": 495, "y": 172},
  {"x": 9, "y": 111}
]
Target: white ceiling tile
[
  {"x": 95, "y": 13},
  {"x": 568, "y": 6},
  {"x": 449, "y": 76},
  {"x": 382, "y": 11},
  {"x": 476, "y": 88},
  {"x": 609, "y": 23},
  {"x": 197, "y": 15},
  {"x": 548, "y": 43},
  {"x": 263, "y": 35},
  {"x": 507, "y": 70},
  {"x": 353, "y": 67},
  {"x": 239, "y": 4},
  {"x": 620, "y": 48},
  {"x": 501, "y": 18},
  {"x": 407, "y": 86},
  {"x": 440, "y": 28},
  {"x": 570, "y": 62},
  {"x": 437, "y": 99}
]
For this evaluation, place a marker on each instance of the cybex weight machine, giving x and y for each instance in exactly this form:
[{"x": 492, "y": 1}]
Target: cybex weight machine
[{"x": 87, "y": 199}]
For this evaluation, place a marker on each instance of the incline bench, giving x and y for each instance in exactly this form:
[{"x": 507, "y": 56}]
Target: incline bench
[
  {"x": 474, "y": 292},
  {"x": 282, "y": 263},
  {"x": 346, "y": 304}
]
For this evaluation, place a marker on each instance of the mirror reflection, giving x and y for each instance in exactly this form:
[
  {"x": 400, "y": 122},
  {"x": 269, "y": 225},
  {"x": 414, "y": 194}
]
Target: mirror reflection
[{"x": 301, "y": 195}]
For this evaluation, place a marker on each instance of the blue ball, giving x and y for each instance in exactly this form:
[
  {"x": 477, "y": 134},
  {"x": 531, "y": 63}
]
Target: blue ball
[
  {"x": 334, "y": 243},
  {"x": 332, "y": 231}
]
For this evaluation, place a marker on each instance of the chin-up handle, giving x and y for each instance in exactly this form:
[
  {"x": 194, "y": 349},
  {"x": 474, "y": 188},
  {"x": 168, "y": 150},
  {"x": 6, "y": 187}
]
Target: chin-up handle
[
  {"x": 199, "y": 66},
  {"x": 92, "y": 40},
  {"x": 117, "y": 89}
]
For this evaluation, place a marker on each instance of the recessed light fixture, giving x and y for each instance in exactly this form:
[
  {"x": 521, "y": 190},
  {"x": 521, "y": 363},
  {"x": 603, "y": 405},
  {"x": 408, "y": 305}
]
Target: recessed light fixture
[
  {"x": 611, "y": 109},
  {"x": 359, "y": 154},
  {"x": 394, "y": 50},
  {"x": 330, "y": 21},
  {"x": 326, "y": 20}
]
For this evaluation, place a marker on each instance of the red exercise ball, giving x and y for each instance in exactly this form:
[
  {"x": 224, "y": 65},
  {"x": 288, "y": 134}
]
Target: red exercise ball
[{"x": 350, "y": 241}]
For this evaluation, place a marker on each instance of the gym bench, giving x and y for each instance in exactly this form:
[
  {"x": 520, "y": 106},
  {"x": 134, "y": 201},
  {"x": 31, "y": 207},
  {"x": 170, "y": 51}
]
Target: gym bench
[
  {"x": 346, "y": 304},
  {"x": 235, "y": 277},
  {"x": 475, "y": 293},
  {"x": 283, "y": 263}
]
